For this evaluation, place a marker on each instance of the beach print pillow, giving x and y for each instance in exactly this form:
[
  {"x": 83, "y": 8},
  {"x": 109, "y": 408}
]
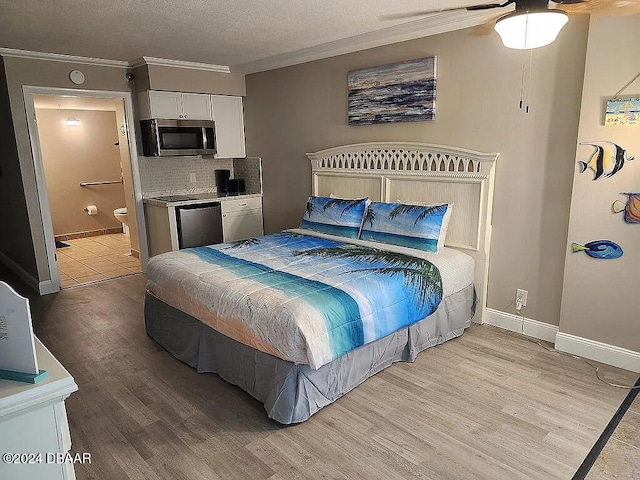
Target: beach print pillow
[
  {"x": 422, "y": 227},
  {"x": 335, "y": 216},
  {"x": 445, "y": 221}
]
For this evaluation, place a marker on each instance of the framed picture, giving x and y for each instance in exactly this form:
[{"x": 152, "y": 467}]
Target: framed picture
[
  {"x": 622, "y": 111},
  {"x": 397, "y": 92}
]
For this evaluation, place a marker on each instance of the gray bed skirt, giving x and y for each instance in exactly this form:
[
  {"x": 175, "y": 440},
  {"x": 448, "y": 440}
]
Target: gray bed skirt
[{"x": 292, "y": 393}]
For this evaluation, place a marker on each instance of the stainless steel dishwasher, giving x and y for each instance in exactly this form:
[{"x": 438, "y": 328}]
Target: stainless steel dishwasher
[{"x": 199, "y": 224}]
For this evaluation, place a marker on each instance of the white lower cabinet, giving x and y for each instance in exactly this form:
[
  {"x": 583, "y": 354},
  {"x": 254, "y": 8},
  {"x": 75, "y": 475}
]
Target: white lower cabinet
[{"x": 241, "y": 219}]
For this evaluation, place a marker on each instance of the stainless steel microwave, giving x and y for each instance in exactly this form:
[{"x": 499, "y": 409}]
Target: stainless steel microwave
[{"x": 170, "y": 138}]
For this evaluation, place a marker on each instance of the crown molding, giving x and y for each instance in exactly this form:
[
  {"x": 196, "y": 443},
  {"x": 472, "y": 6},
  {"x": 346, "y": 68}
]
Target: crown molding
[
  {"x": 59, "y": 57},
  {"x": 442, "y": 23},
  {"x": 163, "y": 62}
]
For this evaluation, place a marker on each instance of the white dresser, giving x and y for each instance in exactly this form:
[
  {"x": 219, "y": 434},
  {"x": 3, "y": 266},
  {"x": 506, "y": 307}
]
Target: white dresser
[{"x": 33, "y": 424}]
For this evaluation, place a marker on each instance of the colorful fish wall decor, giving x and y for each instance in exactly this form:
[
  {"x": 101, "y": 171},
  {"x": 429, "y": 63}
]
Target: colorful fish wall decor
[
  {"x": 606, "y": 160},
  {"x": 631, "y": 208},
  {"x": 603, "y": 249}
]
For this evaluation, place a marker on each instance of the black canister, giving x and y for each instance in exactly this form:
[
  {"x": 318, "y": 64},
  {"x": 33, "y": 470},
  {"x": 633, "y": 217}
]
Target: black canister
[{"x": 222, "y": 180}]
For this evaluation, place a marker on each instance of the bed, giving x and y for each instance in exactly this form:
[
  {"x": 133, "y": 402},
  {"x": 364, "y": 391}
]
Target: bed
[{"x": 299, "y": 318}]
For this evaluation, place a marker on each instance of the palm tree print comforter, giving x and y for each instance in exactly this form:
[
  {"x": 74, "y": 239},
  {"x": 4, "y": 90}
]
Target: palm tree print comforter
[{"x": 302, "y": 298}]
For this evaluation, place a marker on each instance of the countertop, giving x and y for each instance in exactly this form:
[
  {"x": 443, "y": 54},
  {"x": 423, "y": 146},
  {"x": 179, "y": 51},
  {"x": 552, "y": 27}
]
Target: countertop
[{"x": 200, "y": 198}]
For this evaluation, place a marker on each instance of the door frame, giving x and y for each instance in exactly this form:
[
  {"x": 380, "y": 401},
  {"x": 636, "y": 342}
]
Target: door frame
[{"x": 43, "y": 197}]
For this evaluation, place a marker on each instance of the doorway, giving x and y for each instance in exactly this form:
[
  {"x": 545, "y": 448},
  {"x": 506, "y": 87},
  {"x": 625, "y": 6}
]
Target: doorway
[{"x": 88, "y": 184}]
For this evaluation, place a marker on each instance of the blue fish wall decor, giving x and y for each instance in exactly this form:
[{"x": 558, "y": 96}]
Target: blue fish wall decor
[
  {"x": 604, "y": 249},
  {"x": 606, "y": 160}
]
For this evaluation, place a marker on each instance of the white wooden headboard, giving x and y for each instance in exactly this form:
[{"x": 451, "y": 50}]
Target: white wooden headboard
[{"x": 419, "y": 172}]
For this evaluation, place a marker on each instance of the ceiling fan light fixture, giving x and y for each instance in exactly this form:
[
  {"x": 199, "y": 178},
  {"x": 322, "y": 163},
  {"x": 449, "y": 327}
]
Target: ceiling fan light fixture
[{"x": 525, "y": 30}]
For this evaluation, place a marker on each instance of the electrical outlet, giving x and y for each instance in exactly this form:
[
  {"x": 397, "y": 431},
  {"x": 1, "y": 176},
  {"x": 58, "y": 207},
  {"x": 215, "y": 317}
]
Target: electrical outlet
[
  {"x": 521, "y": 298},
  {"x": 192, "y": 177}
]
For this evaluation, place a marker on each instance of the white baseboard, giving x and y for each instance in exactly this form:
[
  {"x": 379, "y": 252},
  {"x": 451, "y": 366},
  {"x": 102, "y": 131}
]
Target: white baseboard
[
  {"x": 598, "y": 351},
  {"x": 564, "y": 342},
  {"x": 46, "y": 287},
  {"x": 516, "y": 323},
  {"x": 21, "y": 272}
]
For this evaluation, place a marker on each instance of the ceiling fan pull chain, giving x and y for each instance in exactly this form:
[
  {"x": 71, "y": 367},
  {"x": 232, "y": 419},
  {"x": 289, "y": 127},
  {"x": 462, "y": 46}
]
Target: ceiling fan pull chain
[
  {"x": 522, "y": 75},
  {"x": 524, "y": 59},
  {"x": 530, "y": 82}
]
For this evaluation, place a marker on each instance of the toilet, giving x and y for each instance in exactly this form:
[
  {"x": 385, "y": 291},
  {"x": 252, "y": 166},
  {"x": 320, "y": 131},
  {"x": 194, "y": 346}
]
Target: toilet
[{"x": 121, "y": 216}]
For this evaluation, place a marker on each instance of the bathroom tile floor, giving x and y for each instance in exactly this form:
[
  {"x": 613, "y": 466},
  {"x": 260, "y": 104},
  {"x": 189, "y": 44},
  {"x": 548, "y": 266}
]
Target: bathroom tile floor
[{"x": 92, "y": 259}]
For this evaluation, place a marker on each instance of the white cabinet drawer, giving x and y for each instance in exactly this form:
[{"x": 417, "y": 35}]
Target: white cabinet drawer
[
  {"x": 241, "y": 204},
  {"x": 239, "y": 225}
]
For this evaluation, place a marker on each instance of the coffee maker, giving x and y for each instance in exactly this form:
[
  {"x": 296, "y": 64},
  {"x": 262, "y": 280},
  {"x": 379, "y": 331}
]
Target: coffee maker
[{"x": 222, "y": 180}]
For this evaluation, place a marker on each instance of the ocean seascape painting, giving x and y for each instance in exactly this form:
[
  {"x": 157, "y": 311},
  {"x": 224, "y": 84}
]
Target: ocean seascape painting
[{"x": 397, "y": 92}]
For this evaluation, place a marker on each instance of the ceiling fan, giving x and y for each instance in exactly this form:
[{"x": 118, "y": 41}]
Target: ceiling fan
[{"x": 534, "y": 23}]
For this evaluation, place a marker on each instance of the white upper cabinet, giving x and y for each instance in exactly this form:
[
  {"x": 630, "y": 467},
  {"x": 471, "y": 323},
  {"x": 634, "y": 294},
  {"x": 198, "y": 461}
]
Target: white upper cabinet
[
  {"x": 196, "y": 106},
  {"x": 225, "y": 110},
  {"x": 163, "y": 104},
  {"x": 228, "y": 114},
  {"x": 174, "y": 105}
]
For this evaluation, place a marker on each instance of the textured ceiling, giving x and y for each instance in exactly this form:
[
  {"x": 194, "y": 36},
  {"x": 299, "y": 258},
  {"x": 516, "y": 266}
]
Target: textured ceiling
[{"x": 222, "y": 32}]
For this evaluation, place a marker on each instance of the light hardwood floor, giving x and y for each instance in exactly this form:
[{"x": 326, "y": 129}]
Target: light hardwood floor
[{"x": 488, "y": 405}]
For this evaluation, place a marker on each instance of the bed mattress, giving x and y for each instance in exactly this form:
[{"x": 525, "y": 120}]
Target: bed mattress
[{"x": 308, "y": 298}]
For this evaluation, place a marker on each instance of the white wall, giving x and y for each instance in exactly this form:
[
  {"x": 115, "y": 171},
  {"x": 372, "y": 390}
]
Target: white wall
[{"x": 601, "y": 298}]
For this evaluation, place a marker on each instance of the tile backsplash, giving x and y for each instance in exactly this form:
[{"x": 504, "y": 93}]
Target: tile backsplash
[
  {"x": 172, "y": 175},
  {"x": 250, "y": 170}
]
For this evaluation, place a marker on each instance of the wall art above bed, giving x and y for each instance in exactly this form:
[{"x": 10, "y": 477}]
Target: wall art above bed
[{"x": 397, "y": 92}]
